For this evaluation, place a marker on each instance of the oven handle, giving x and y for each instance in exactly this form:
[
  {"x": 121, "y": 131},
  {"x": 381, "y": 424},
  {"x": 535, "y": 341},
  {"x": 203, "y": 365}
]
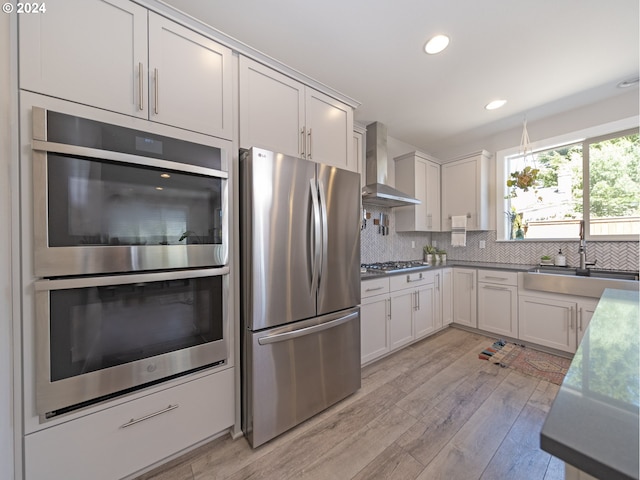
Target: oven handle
[
  {"x": 281, "y": 337},
  {"x": 40, "y": 145},
  {"x": 68, "y": 283}
]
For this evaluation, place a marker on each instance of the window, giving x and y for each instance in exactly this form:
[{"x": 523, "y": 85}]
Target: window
[{"x": 597, "y": 180}]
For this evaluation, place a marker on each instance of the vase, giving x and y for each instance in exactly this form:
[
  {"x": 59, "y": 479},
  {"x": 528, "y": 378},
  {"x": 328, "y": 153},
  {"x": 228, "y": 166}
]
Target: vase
[{"x": 428, "y": 258}]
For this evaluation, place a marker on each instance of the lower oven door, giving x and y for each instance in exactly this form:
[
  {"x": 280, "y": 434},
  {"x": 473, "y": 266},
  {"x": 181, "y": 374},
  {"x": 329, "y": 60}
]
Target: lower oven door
[
  {"x": 293, "y": 372},
  {"x": 100, "y": 336}
]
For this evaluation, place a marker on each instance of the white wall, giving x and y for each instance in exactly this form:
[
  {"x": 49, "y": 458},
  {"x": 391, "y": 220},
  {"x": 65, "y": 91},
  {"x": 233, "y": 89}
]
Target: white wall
[
  {"x": 6, "y": 291},
  {"x": 621, "y": 106}
]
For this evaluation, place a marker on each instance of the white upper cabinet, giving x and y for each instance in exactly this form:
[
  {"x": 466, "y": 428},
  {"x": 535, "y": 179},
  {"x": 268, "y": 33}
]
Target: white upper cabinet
[
  {"x": 190, "y": 79},
  {"x": 419, "y": 176},
  {"x": 271, "y": 109},
  {"x": 329, "y": 130},
  {"x": 90, "y": 52},
  {"x": 466, "y": 190},
  {"x": 115, "y": 55},
  {"x": 283, "y": 115}
]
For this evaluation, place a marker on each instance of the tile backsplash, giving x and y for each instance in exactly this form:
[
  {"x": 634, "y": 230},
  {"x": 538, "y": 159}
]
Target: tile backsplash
[{"x": 376, "y": 247}]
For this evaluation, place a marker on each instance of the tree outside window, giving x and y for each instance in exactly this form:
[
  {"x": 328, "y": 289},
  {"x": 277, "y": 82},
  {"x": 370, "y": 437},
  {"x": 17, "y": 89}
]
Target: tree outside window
[{"x": 555, "y": 204}]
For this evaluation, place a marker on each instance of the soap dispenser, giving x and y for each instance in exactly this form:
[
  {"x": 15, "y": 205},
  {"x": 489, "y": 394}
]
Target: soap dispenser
[{"x": 561, "y": 260}]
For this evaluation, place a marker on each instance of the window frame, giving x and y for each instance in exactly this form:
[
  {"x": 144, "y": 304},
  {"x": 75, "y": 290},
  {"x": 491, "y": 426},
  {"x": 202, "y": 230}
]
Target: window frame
[{"x": 586, "y": 136}]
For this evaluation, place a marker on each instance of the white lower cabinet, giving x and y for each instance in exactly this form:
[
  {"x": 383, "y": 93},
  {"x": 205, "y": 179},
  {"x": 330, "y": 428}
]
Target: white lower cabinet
[
  {"x": 586, "y": 308},
  {"x": 402, "y": 305},
  {"x": 465, "y": 297},
  {"x": 549, "y": 322},
  {"x": 400, "y": 309},
  {"x": 119, "y": 441},
  {"x": 425, "y": 318},
  {"x": 374, "y": 337},
  {"x": 446, "y": 295},
  {"x": 498, "y": 302},
  {"x": 554, "y": 321},
  {"x": 374, "y": 308}
]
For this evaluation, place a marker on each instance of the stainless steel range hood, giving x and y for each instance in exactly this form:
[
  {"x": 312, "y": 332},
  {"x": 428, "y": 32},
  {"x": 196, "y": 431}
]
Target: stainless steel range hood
[{"x": 377, "y": 192}]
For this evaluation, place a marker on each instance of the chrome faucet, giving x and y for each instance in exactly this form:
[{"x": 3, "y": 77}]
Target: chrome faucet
[{"x": 582, "y": 250}]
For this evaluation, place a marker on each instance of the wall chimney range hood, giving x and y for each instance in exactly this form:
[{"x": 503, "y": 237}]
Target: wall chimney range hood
[{"x": 377, "y": 192}]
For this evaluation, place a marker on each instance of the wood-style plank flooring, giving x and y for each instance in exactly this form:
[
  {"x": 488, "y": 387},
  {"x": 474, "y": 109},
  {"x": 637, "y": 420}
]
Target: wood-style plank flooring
[{"x": 430, "y": 411}]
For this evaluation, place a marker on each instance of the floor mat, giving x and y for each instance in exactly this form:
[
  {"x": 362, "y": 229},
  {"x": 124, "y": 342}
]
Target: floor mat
[{"x": 528, "y": 361}]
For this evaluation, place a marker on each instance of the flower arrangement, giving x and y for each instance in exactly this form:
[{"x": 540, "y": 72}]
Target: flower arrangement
[{"x": 523, "y": 179}]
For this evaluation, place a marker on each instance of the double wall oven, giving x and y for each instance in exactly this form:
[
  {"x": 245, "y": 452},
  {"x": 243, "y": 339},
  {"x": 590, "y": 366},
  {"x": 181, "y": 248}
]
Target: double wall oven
[{"x": 130, "y": 241}]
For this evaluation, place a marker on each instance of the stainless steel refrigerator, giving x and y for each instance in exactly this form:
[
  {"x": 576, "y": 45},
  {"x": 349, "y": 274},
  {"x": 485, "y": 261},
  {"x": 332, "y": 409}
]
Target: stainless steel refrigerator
[{"x": 300, "y": 290}]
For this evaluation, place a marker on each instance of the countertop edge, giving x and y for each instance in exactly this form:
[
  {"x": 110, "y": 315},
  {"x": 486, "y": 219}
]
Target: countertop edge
[{"x": 595, "y": 434}]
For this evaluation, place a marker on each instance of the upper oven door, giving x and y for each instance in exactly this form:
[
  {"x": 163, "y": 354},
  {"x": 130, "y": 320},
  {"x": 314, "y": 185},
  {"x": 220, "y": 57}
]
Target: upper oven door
[{"x": 112, "y": 199}]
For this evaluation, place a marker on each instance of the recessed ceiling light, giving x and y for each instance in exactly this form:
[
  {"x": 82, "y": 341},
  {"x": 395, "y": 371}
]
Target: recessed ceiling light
[
  {"x": 631, "y": 82},
  {"x": 436, "y": 44},
  {"x": 165, "y": 175},
  {"x": 495, "y": 104}
]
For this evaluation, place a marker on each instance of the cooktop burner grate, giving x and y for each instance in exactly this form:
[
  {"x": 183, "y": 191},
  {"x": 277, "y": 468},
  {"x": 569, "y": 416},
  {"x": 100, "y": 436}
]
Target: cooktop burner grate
[{"x": 393, "y": 266}]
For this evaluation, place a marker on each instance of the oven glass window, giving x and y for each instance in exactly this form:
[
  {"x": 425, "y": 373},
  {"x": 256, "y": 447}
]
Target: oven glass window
[
  {"x": 100, "y": 327},
  {"x": 108, "y": 203}
]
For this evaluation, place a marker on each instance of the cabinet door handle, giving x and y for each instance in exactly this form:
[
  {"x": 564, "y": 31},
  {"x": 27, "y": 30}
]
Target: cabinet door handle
[
  {"x": 497, "y": 278},
  {"x": 389, "y": 309},
  {"x": 430, "y": 218},
  {"x": 580, "y": 319},
  {"x": 155, "y": 75},
  {"x": 418, "y": 300},
  {"x": 373, "y": 289},
  {"x": 491, "y": 287},
  {"x": 140, "y": 86},
  {"x": 302, "y": 141},
  {"x": 415, "y": 280},
  {"x": 309, "y": 135},
  {"x": 571, "y": 318},
  {"x": 133, "y": 421}
]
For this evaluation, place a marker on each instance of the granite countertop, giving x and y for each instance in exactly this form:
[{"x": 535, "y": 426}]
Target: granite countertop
[
  {"x": 453, "y": 263},
  {"x": 593, "y": 422}
]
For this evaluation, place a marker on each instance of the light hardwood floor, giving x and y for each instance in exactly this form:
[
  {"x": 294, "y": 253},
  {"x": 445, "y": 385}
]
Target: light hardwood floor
[{"x": 430, "y": 411}]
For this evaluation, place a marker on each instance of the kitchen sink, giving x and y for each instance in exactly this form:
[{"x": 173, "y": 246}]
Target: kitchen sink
[
  {"x": 573, "y": 281},
  {"x": 590, "y": 272}
]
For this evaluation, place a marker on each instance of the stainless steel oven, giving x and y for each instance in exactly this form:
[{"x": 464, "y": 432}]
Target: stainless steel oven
[
  {"x": 129, "y": 268},
  {"x": 100, "y": 336},
  {"x": 113, "y": 199}
]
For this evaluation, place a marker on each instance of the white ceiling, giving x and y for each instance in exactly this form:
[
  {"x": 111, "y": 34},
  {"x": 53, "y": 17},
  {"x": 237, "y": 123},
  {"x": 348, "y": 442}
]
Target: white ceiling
[{"x": 542, "y": 56}]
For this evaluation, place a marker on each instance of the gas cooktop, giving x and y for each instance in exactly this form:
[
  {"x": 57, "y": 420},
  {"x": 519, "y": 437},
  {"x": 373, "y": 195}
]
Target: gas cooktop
[{"x": 393, "y": 266}]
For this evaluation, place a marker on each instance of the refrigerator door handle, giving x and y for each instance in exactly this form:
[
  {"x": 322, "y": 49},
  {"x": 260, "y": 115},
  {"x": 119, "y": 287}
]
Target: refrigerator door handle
[
  {"x": 325, "y": 231},
  {"x": 315, "y": 238},
  {"x": 281, "y": 337}
]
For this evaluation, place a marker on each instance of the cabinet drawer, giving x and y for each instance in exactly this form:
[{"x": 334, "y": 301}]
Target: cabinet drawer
[
  {"x": 111, "y": 444},
  {"x": 498, "y": 276},
  {"x": 409, "y": 280},
  {"x": 375, "y": 286}
]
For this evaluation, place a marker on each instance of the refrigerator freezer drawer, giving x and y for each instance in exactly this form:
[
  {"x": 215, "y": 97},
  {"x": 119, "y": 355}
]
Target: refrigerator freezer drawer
[{"x": 296, "y": 371}]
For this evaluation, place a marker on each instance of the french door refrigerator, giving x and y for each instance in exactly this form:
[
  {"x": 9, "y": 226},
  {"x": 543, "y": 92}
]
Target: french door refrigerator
[{"x": 300, "y": 290}]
